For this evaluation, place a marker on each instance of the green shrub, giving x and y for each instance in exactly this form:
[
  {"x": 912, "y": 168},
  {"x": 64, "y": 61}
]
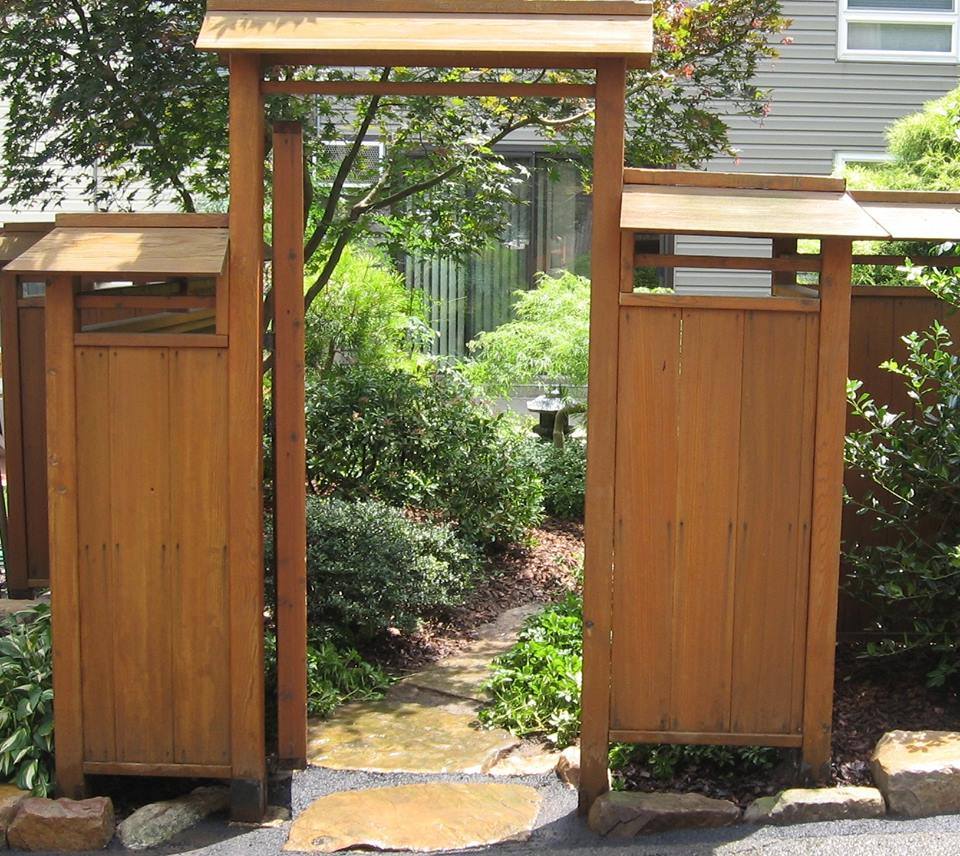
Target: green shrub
[
  {"x": 563, "y": 471},
  {"x": 535, "y": 686},
  {"x": 370, "y": 568},
  {"x": 420, "y": 440},
  {"x": 548, "y": 339},
  {"x": 26, "y": 701},
  {"x": 909, "y": 464},
  {"x": 367, "y": 315}
]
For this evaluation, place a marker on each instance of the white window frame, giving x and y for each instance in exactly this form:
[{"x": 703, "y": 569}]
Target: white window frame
[
  {"x": 841, "y": 160},
  {"x": 850, "y": 16}
]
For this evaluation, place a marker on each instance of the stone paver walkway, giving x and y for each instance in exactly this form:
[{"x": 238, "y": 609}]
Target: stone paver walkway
[{"x": 426, "y": 724}]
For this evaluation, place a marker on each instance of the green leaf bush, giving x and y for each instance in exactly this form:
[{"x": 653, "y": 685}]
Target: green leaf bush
[
  {"x": 371, "y": 568},
  {"x": 26, "y": 701},
  {"x": 563, "y": 472},
  {"x": 909, "y": 467},
  {"x": 421, "y": 440}
]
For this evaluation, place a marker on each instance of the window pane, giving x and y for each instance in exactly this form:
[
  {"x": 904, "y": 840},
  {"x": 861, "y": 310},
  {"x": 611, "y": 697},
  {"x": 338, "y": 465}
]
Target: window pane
[
  {"x": 926, "y": 38},
  {"x": 902, "y": 5}
]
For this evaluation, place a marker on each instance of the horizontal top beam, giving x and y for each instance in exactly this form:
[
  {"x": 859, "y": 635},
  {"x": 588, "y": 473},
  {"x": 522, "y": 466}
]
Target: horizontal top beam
[
  {"x": 733, "y": 180},
  {"x": 348, "y": 88},
  {"x": 474, "y": 7}
]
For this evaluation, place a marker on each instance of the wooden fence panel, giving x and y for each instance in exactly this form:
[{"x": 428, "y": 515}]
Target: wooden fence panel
[{"x": 731, "y": 394}]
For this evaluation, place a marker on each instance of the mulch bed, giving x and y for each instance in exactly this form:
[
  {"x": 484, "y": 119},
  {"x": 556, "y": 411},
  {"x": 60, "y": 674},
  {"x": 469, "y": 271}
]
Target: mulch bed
[
  {"x": 870, "y": 699},
  {"x": 538, "y": 572}
]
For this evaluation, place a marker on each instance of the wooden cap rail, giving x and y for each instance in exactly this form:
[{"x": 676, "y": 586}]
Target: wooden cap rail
[{"x": 449, "y": 7}]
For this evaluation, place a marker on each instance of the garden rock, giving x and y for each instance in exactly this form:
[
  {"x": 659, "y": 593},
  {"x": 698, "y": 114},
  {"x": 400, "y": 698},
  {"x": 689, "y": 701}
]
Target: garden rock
[
  {"x": 918, "y": 772},
  {"x": 424, "y": 818},
  {"x": 624, "y": 814},
  {"x": 10, "y": 797},
  {"x": 811, "y": 805},
  {"x": 158, "y": 822},
  {"x": 64, "y": 825},
  {"x": 528, "y": 760},
  {"x": 568, "y": 767}
]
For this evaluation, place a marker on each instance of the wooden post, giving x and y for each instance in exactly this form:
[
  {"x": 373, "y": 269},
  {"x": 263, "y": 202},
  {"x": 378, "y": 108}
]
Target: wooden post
[
  {"x": 62, "y": 509},
  {"x": 783, "y": 247},
  {"x": 608, "y": 159},
  {"x": 245, "y": 552},
  {"x": 827, "y": 505},
  {"x": 290, "y": 451},
  {"x": 15, "y": 548}
]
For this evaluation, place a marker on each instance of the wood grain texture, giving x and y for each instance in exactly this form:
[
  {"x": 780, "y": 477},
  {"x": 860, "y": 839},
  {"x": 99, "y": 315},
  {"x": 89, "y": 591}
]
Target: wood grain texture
[
  {"x": 111, "y": 220},
  {"x": 290, "y": 445},
  {"x": 489, "y": 7},
  {"x": 601, "y": 442},
  {"x": 245, "y": 521},
  {"x": 781, "y": 263},
  {"x": 827, "y": 505},
  {"x": 345, "y": 88},
  {"x": 764, "y": 213},
  {"x": 350, "y": 38},
  {"x": 62, "y": 502},
  {"x": 693, "y": 301},
  {"x": 738, "y": 180},
  {"x": 706, "y": 738}
]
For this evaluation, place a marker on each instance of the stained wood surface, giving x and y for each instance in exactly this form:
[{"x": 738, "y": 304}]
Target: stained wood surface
[
  {"x": 733, "y": 180},
  {"x": 695, "y": 301},
  {"x": 110, "y": 220},
  {"x": 714, "y": 481},
  {"x": 448, "y": 90},
  {"x": 909, "y": 221},
  {"x": 476, "y": 7},
  {"x": 134, "y": 251},
  {"x": 781, "y": 263},
  {"x": 420, "y": 39},
  {"x": 720, "y": 211},
  {"x": 601, "y": 442}
]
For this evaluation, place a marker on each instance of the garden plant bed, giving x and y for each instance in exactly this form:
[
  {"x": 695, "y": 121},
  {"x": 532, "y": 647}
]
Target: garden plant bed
[
  {"x": 871, "y": 699},
  {"x": 540, "y": 571}
]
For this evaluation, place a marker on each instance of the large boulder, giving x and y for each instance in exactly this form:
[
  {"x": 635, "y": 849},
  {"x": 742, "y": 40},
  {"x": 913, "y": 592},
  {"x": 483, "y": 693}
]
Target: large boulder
[
  {"x": 157, "y": 823},
  {"x": 624, "y": 814},
  {"x": 61, "y": 825},
  {"x": 811, "y": 805},
  {"x": 10, "y": 798},
  {"x": 918, "y": 772}
]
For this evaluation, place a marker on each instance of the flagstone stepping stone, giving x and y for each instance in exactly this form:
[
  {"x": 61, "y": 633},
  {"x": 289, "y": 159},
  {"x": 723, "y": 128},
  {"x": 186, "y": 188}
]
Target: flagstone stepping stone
[
  {"x": 423, "y": 818},
  {"x": 389, "y": 736},
  {"x": 463, "y": 674}
]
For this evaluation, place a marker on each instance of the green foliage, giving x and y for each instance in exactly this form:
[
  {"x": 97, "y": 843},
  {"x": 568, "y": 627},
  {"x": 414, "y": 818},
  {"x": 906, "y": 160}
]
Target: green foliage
[
  {"x": 420, "y": 440},
  {"x": 667, "y": 761},
  {"x": 563, "y": 471},
  {"x": 26, "y": 701},
  {"x": 366, "y": 315},
  {"x": 547, "y": 340},
  {"x": 536, "y": 685},
  {"x": 371, "y": 568},
  {"x": 909, "y": 467}
]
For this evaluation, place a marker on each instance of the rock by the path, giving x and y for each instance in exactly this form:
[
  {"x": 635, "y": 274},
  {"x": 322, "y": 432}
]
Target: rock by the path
[
  {"x": 10, "y": 798},
  {"x": 811, "y": 805},
  {"x": 527, "y": 760},
  {"x": 624, "y": 814},
  {"x": 64, "y": 825},
  {"x": 274, "y": 817},
  {"x": 158, "y": 822},
  {"x": 463, "y": 674},
  {"x": 423, "y": 818},
  {"x": 389, "y": 736},
  {"x": 918, "y": 772},
  {"x": 12, "y": 607},
  {"x": 568, "y": 767}
]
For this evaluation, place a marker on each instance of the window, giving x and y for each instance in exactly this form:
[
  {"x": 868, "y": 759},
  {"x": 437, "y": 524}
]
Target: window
[
  {"x": 899, "y": 30},
  {"x": 841, "y": 160}
]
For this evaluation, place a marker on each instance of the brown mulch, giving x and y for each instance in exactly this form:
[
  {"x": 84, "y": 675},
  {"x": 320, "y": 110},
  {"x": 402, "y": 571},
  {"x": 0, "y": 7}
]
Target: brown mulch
[
  {"x": 871, "y": 698},
  {"x": 540, "y": 571}
]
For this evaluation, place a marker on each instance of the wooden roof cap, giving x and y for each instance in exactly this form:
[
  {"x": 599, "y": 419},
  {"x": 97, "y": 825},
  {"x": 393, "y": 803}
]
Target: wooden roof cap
[
  {"x": 17, "y": 238},
  {"x": 479, "y": 33},
  {"x": 913, "y": 215},
  {"x": 135, "y": 245},
  {"x": 743, "y": 204}
]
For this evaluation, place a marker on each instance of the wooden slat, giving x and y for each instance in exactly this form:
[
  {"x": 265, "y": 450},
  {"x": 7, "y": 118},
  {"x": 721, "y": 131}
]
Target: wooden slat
[
  {"x": 97, "y": 572},
  {"x": 915, "y": 261},
  {"x": 708, "y": 440},
  {"x": 917, "y": 221},
  {"x": 420, "y": 39},
  {"x": 827, "y": 506},
  {"x": 737, "y": 180},
  {"x": 290, "y": 446},
  {"x": 143, "y": 560},
  {"x": 771, "y": 525},
  {"x": 781, "y": 248},
  {"x": 782, "y": 263},
  {"x": 900, "y": 292},
  {"x": 62, "y": 474},
  {"x": 761, "y": 213},
  {"x": 646, "y": 507},
  {"x": 110, "y": 220},
  {"x": 199, "y": 771},
  {"x": 736, "y": 304},
  {"x": 717, "y": 738},
  {"x": 348, "y": 88},
  {"x": 15, "y": 552},
  {"x": 917, "y": 197},
  {"x": 199, "y": 607},
  {"x": 450, "y": 7},
  {"x": 150, "y": 340},
  {"x": 245, "y": 521},
  {"x": 143, "y": 301},
  {"x": 111, "y": 251},
  {"x": 166, "y": 321},
  {"x": 601, "y": 441}
]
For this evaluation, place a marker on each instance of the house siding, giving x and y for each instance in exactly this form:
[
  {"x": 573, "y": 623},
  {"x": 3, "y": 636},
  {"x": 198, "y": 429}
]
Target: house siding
[{"x": 821, "y": 106}]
